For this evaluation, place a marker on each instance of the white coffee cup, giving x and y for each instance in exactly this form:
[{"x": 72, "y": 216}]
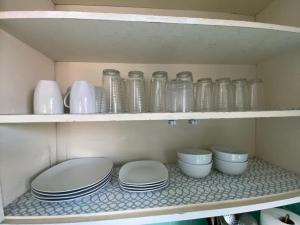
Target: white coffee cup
[
  {"x": 82, "y": 98},
  {"x": 47, "y": 98}
]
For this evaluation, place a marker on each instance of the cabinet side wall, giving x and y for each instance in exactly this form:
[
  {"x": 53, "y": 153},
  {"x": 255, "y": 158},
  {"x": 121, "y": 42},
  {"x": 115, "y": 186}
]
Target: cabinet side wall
[
  {"x": 124, "y": 141},
  {"x": 284, "y": 12},
  {"x": 25, "y": 150},
  {"x": 277, "y": 140}
]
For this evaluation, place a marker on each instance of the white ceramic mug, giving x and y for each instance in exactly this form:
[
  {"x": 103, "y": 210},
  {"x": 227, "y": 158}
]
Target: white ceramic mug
[
  {"x": 82, "y": 98},
  {"x": 47, "y": 98}
]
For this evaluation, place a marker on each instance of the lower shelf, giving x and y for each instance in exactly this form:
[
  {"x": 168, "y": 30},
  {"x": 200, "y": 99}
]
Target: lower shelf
[{"x": 262, "y": 186}]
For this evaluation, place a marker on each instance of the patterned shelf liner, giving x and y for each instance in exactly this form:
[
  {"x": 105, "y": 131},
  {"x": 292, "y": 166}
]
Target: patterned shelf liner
[{"x": 261, "y": 179}]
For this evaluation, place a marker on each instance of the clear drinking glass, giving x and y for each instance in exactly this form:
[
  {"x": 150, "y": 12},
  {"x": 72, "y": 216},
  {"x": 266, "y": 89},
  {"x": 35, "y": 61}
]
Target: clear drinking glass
[
  {"x": 100, "y": 100},
  {"x": 240, "y": 95},
  {"x": 185, "y": 92},
  {"x": 136, "y": 92},
  {"x": 113, "y": 91},
  {"x": 171, "y": 100},
  {"x": 256, "y": 95},
  {"x": 204, "y": 95},
  {"x": 223, "y": 95},
  {"x": 158, "y": 91}
]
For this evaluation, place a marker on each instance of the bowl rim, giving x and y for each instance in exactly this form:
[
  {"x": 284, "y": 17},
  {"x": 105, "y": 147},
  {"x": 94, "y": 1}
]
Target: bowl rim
[
  {"x": 202, "y": 152},
  {"x": 192, "y": 164},
  {"x": 217, "y": 159},
  {"x": 222, "y": 150}
]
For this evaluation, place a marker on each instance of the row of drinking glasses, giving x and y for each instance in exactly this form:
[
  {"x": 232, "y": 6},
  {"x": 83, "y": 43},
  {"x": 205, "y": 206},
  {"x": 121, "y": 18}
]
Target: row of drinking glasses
[
  {"x": 229, "y": 95},
  {"x": 180, "y": 94}
]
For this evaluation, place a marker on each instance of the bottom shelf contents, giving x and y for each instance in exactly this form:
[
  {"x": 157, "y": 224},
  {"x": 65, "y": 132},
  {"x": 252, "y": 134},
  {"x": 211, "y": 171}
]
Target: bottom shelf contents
[{"x": 261, "y": 179}]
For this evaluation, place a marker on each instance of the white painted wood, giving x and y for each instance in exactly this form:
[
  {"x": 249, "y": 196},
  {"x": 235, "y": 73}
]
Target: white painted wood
[
  {"x": 25, "y": 151},
  {"x": 7, "y": 119},
  {"x": 277, "y": 140},
  {"x": 285, "y": 12},
  {"x": 106, "y": 37},
  {"x": 124, "y": 141},
  {"x": 157, "y": 12},
  {"x": 1, "y": 203},
  {"x": 176, "y": 213},
  {"x": 243, "y": 7},
  {"x": 21, "y": 67},
  {"x": 14, "y": 5}
]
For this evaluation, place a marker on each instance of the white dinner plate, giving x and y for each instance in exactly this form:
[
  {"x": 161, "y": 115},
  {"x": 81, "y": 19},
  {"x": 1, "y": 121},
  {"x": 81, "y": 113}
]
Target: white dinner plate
[
  {"x": 53, "y": 195},
  {"x": 69, "y": 198},
  {"x": 72, "y": 175},
  {"x": 143, "y": 172}
]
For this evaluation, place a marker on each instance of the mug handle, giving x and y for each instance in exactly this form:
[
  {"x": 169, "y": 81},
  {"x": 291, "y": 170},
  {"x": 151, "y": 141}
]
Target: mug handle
[{"x": 66, "y": 97}]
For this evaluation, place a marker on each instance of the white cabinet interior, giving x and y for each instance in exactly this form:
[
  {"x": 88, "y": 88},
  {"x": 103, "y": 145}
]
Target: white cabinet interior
[{"x": 27, "y": 149}]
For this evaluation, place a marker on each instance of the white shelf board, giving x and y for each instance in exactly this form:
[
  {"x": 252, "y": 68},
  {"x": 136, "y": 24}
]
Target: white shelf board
[
  {"x": 62, "y": 118},
  {"x": 131, "y": 38},
  {"x": 262, "y": 186}
]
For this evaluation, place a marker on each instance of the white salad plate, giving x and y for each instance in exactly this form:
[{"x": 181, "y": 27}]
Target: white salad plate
[
  {"x": 156, "y": 188},
  {"x": 72, "y": 175},
  {"x": 142, "y": 186},
  {"x": 143, "y": 172},
  {"x": 56, "y": 195}
]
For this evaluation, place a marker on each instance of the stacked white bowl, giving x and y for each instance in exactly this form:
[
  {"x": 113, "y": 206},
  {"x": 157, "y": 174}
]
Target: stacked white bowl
[
  {"x": 195, "y": 163},
  {"x": 230, "y": 161}
]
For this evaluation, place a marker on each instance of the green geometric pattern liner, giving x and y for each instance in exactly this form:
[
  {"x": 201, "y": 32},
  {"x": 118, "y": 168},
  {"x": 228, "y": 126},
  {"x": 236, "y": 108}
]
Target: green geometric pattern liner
[{"x": 261, "y": 179}]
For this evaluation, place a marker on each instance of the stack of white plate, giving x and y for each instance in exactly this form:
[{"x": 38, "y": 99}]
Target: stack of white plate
[
  {"x": 195, "y": 163},
  {"x": 230, "y": 161},
  {"x": 72, "y": 179},
  {"x": 143, "y": 176}
]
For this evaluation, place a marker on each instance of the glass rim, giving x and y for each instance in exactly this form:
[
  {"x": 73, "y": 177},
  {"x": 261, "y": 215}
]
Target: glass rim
[
  {"x": 160, "y": 74},
  {"x": 136, "y": 74},
  {"x": 185, "y": 75},
  {"x": 204, "y": 80},
  {"x": 111, "y": 72}
]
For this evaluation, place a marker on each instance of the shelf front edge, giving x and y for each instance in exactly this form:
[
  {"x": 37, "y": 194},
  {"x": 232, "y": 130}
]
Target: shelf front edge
[{"x": 167, "y": 214}]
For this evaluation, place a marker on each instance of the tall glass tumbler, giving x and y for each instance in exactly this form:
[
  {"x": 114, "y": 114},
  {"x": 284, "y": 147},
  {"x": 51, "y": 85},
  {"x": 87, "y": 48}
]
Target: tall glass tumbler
[
  {"x": 158, "y": 91},
  {"x": 240, "y": 95},
  {"x": 257, "y": 101},
  {"x": 185, "y": 92},
  {"x": 171, "y": 99},
  {"x": 223, "y": 95},
  {"x": 112, "y": 84},
  {"x": 204, "y": 95},
  {"x": 136, "y": 92}
]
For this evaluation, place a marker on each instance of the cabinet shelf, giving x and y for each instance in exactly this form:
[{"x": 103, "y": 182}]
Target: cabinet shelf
[
  {"x": 144, "y": 116},
  {"x": 262, "y": 186},
  {"x": 112, "y": 37}
]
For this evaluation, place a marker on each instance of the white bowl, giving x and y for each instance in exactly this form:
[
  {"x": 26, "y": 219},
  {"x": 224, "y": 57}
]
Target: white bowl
[
  {"x": 194, "y": 170},
  {"x": 195, "y": 156},
  {"x": 229, "y": 154},
  {"x": 231, "y": 168}
]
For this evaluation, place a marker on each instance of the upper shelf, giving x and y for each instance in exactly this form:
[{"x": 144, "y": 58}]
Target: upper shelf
[
  {"x": 144, "y": 116},
  {"x": 130, "y": 38}
]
